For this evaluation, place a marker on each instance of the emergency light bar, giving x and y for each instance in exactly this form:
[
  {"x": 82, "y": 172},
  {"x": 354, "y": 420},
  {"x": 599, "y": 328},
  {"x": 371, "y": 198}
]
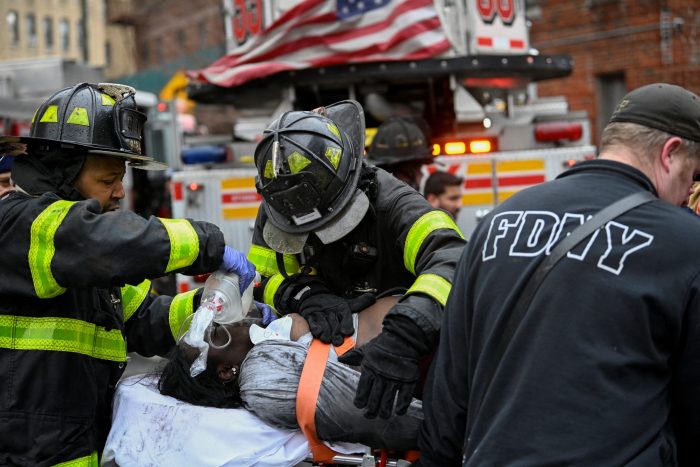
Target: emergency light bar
[
  {"x": 455, "y": 147},
  {"x": 465, "y": 147},
  {"x": 552, "y": 132}
]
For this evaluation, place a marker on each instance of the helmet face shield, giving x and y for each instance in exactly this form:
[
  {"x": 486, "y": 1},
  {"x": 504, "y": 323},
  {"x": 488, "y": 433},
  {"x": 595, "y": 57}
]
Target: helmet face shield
[
  {"x": 128, "y": 125},
  {"x": 296, "y": 196},
  {"x": 308, "y": 167}
]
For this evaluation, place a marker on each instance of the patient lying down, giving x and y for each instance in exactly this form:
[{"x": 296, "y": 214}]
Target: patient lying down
[{"x": 264, "y": 378}]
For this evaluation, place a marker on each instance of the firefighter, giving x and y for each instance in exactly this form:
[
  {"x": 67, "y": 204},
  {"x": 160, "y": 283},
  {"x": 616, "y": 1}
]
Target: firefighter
[
  {"x": 74, "y": 288},
  {"x": 600, "y": 363},
  {"x": 401, "y": 148},
  {"x": 334, "y": 232}
]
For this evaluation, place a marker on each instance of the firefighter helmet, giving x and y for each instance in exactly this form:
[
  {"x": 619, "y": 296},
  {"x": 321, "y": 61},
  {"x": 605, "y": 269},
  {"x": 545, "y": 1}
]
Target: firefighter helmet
[
  {"x": 99, "y": 119},
  {"x": 399, "y": 140},
  {"x": 308, "y": 167}
]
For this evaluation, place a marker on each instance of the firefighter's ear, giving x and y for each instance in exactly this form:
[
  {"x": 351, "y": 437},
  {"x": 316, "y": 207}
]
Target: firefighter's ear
[
  {"x": 227, "y": 373},
  {"x": 670, "y": 153},
  {"x": 320, "y": 110}
]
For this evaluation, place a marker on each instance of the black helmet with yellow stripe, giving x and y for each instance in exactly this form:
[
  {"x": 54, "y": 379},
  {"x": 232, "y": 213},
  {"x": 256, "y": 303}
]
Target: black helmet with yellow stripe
[
  {"x": 100, "y": 119},
  {"x": 399, "y": 140},
  {"x": 308, "y": 165}
]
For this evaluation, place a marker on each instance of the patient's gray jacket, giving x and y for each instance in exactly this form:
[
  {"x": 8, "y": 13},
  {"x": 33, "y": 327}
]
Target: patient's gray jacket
[{"x": 269, "y": 380}]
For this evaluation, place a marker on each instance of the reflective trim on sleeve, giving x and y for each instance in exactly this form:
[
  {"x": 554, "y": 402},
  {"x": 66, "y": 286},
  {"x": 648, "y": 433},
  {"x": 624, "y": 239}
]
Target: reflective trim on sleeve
[
  {"x": 61, "y": 335},
  {"x": 133, "y": 296},
  {"x": 42, "y": 248},
  {"x": 433, "y": 285},
  {"x": 265, "y": 261},
  {"x": 87, "y": 461},
  {"x": 271, "y": 289},
  {"x": 184, "y": 243},
  {"x": 424, "y": 226},
  {"x": 181, "y": 308}
]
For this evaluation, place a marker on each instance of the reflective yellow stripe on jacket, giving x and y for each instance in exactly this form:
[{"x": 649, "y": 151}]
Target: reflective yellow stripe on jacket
[
  {"x": 133, "y": 296},
  {"x": 87, "y": 461},
  {"x": 432, "y": 285},
  {"x": 181, "y": 308},
  {"x": 61, "y": 335},
  {"x": 265, "y": 261},
  {"x": 271, "y": 289},
  {"x": 184, "y": 243},
  {"x": 424, "y": 226},
  {"x": 42, "y": 248}
]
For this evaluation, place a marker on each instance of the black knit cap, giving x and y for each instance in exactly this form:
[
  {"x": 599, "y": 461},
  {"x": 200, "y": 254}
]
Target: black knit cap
[{"x": 662, "y": 106}]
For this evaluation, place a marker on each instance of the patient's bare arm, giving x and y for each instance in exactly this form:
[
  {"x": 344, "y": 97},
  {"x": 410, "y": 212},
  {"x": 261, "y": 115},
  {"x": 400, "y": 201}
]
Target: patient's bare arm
[
  {"x": 369, "y": 321},
  {"x": 299, "y": 326}
]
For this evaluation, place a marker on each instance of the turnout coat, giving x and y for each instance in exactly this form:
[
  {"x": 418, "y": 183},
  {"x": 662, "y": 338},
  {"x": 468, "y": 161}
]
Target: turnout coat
[{"x": 74, "y": 298}]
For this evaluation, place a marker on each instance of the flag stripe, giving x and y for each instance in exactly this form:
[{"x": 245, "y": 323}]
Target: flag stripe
[{"x": 388, "y": 48}]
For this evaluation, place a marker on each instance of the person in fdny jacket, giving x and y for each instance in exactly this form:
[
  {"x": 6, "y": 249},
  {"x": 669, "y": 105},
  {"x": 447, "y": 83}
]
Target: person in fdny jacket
[
  {"x": 603, "y": 368},
  {"x": 74, "y": 275}
]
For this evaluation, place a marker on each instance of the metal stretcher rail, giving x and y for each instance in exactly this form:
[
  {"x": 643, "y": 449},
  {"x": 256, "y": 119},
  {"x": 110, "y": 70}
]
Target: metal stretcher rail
[{"x": 366, "y": 460}]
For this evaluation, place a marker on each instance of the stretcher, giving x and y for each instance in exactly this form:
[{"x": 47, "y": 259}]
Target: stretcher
[{"x": 150, "y": 429}]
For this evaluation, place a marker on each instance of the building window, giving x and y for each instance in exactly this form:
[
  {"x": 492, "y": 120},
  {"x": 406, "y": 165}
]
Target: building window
[
  {"x": 64, "y": 31},
  {"x": 13, "y": 27},
  {"x": 611, "y": 90},
  {"x": 108, "y": 53},
  {"x": 202, "y": 32},
  {"x": 80, "y": 28},
  {"x": 30, "y": 22},
  {"x": 181, "y": 39},
  {"x": 48, "y": 32}
]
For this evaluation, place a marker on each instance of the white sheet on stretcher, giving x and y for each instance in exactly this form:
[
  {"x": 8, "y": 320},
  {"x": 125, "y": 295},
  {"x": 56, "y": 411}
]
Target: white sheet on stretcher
[{"x": 150, "y": 429}]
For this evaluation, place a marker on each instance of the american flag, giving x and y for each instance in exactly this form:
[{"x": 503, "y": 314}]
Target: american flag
[{"x": 318, "y": 33}]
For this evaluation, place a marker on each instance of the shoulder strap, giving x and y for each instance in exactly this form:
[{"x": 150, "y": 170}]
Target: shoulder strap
[
  {"x": 307, "y": 395},
  {"x": 560, "y": 250}
]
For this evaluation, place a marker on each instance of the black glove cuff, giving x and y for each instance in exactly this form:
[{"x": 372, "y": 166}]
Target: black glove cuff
[{"x": 408, "y": 331}]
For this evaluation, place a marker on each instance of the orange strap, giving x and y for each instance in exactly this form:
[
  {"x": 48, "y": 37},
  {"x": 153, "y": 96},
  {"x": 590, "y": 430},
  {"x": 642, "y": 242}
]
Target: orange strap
[{"x": 307, "y": 395}]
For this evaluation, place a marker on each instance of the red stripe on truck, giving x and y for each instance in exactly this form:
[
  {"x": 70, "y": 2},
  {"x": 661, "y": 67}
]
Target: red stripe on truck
[
  {"x": 242, "y": 197},
  {"x": 177, "y": 191}
]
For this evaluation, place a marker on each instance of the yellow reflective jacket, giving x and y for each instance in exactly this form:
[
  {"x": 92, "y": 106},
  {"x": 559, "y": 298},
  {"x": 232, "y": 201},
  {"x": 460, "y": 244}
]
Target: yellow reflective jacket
[{"x": 68, "y": 317}]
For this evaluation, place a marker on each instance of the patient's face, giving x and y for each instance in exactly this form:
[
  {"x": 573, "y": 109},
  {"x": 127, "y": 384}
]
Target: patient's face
[{"x": 233, "y": 354}]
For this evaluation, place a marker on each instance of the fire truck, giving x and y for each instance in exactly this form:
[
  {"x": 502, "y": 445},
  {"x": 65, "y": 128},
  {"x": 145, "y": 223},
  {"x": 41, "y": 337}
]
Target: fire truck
[{"x": 479, "y": 98}]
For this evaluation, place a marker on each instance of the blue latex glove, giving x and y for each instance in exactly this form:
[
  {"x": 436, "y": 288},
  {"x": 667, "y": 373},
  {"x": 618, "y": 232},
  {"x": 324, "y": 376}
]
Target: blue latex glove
[
  {"x": 236, "y": 262},
  {"x": 268, "y": 315}
]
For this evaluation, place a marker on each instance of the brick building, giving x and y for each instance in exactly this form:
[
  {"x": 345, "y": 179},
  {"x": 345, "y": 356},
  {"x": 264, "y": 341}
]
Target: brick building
[
  {"x": 617, "y": 45},
  {"x": 171, "y": 36}
]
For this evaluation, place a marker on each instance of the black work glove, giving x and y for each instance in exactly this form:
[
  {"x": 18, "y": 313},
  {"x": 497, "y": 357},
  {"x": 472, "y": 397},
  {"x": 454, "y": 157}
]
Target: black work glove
[
  {"x": 330, "y": 316},
  {"x": 389, "y": 367}
]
